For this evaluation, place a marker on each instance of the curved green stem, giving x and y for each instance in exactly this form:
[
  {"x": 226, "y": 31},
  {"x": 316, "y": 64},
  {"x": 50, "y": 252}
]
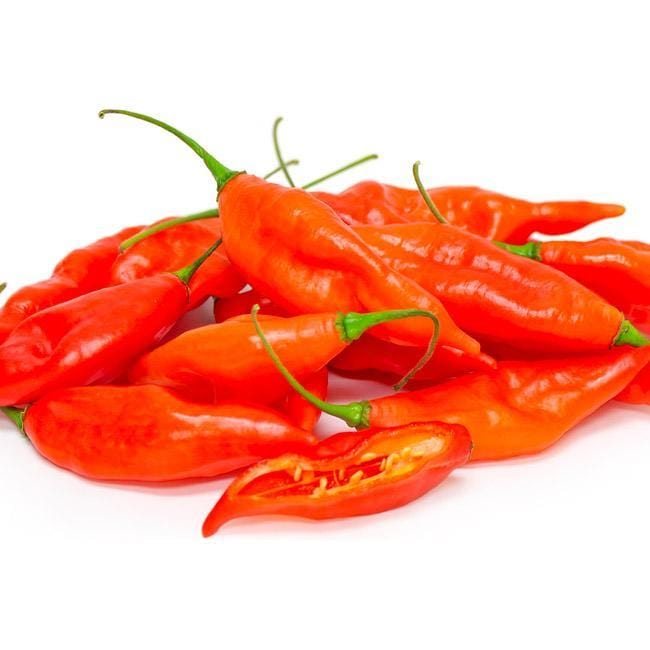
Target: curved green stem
[
  {"x": 221, "y": 173},
  {"x": 178, "y": 221},
  {"x": 185, "y": 274},
  {"x": 630, "y": 335},
  {"x": 294, "y": 161},
  {"x": 531, "y": 249},
  {"x": 340, "y": 170},
  {"x": 425, "y": 195},
  {"x": 353, "y": 325},
  {"x": 16, "y": 415},
  {"x": 164, "y": 225},
  {"x": 278, "y": 154},
  {"x": 354, "y": 414},
  {"x": 3, "y": 286}
]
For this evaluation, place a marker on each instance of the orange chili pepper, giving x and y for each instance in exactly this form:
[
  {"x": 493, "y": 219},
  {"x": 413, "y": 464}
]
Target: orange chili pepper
[
  {"x": 482, "y": 212},
  {"x": 227, "y": 360},
  {"x": 522, "y": 407},
  {"x": 318, "y": 263},
  {"x": 501, "y": 298},
  {"x": 619, "y": 271}
]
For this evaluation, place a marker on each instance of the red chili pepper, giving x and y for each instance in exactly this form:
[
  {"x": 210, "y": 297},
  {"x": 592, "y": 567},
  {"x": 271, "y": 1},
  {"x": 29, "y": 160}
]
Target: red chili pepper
[
  {"x": 482, "y": 212},
  {"x": 167, "y": 250},
  {"x": 498, "y": 297},
  {"x": 92, "y": 338},
  {"x": 81, "y": 271},
  {"x": 227, "y": 360},
  {"x": 383, "y": 470},
  {"x": 317, "y": 263},
  {"x": 147, "y": 433},
  {"x": 619, "y": 271},
  {"x": 522, "y": 407}
]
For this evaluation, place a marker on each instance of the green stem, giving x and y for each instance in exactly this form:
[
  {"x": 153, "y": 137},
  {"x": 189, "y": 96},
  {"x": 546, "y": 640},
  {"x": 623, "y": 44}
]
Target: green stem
[
  {"x": 630, "y": 335},
  {"x": 295, "y": 161},
  {"x": 278, "y": 154},
  {"x": 178, "y": 221},
  {"x": 353, "y": 325},
  {"x": 185, "y": 274},
  {"x": 340, "y": 170},
  {"x": 425, "y": 195},
  {"x": 164, "y": 225},
  {"x": 220, "y": 172},
  {"x": 354, "y": 414},
  {"x": 531, "y": 249},
  {"x": 17, "y": 416},
  {"x": 3, "y": 286}
]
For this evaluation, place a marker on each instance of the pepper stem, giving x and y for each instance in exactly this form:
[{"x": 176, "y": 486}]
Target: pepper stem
[
  {"x": 185, "y": 274},
  {"x": 630, "y": 335},
  {"x": 178, "y": 221},
  {"x": 354, "y": 414},
  {"x": 531, "y": 249},
  {"x": 164, "y": 225},
  {"x": 278, "y": 154},
  {"x": 3, "y": 286},
  {"x": 425, "y": 195},
  {"x": 17, "y": 416},
  {"x": 353, "y": 325},
  {"x": 340, "y": 170},
  {"x": 221, "y": 173},
  {"x": 273, "y": 172}
]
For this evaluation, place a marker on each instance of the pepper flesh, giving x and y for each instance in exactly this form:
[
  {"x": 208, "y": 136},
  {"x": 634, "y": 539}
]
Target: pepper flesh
[
  {"x": 174, "y": 248},
  {"x": 147, "y": 433},
  {"x": 480, "y": 211},
  {"x": 383, "y": 470},
  {"x": 498, "y": 297},
  {"x": 80, "y": 271}
]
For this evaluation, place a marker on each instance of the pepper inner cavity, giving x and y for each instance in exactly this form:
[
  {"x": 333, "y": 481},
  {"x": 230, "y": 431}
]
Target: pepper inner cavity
[{"x": 311, "y": 480}]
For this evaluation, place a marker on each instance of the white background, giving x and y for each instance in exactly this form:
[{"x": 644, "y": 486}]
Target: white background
[{"x": 541, "y": 100}]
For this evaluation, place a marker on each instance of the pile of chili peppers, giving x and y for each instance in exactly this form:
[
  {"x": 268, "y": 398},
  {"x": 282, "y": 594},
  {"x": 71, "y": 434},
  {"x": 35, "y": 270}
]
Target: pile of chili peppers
[{"x": 497, "y": 344}]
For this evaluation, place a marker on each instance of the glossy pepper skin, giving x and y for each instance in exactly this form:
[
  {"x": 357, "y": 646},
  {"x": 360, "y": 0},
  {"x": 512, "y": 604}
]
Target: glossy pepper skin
[
  {"x": 172, "y": 249},
  {"x": 522, "y": 407},
  {"x": 498, "y": 297},
  {"x": 147, "y": 433},
  {"x": 370, "y": 358},
  {"x": 80, "y": 271},
  {"x": 228, "y": 361},
  {"x": 317, "y": 262},
  {"x": 90, "y": 339},
  {"x": 480, "y": 211},
  {"x": 619, "y": 271},
  {"x": 379, "y": 471}
]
